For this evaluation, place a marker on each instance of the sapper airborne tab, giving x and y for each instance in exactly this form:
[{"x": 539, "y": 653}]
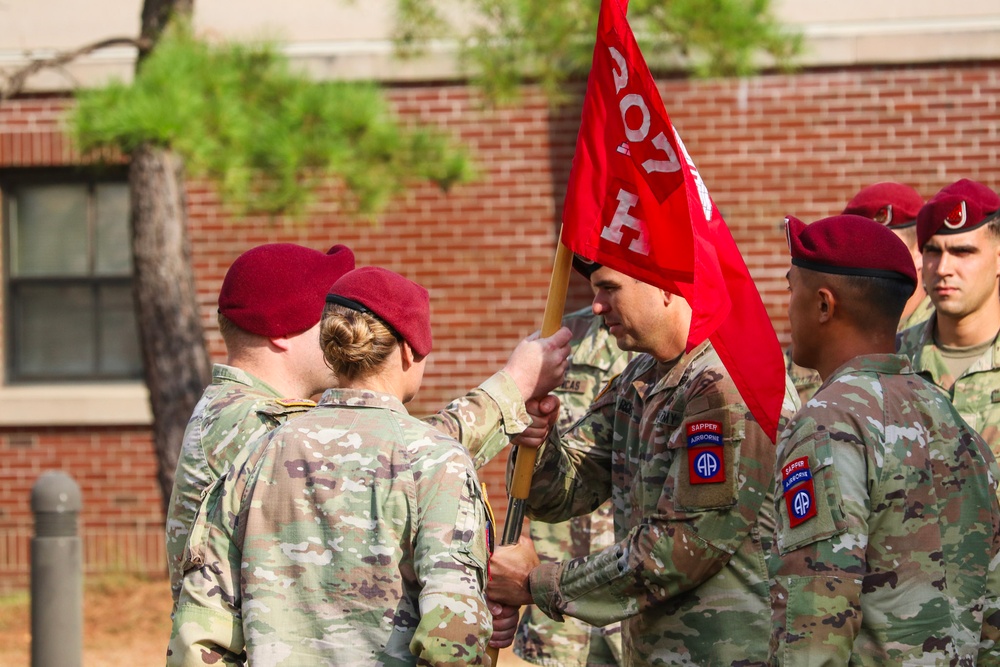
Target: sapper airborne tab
[
  {"x": 800, "y": 492},
  {"x": 706, "y": 456}
]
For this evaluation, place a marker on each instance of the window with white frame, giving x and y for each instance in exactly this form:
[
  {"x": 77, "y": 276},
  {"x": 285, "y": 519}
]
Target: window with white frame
[{"x": 68, "y": 265}]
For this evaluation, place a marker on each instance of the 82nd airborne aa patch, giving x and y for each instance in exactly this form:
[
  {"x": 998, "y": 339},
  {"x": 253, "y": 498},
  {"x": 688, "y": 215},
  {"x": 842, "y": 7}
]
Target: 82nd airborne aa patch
[
  {"x": 706, "y": 459},
  {"x": 800, "y": 492}
]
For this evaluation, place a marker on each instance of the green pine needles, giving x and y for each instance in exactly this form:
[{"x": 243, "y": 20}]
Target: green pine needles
[{"x": 264, "y": 134}]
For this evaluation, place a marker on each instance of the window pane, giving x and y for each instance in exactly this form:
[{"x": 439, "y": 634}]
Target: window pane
[
  {"x": 49, "y": 231},
  {"x": 113, "y": 245},
  {"x": 53, "y": 331},
  {"x": 119, "y": 336}
]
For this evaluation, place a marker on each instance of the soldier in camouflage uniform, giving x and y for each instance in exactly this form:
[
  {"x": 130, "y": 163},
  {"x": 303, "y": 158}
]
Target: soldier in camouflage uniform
[
  {"x": 887, "y": 542},
  {"x": 353, "y": 534},
  {"x": 958, "y": 347},
  {"x": 896, "y": 206},
  {"x": 690, "y": 474},
  {"x": 269, "y": 309},
  {"x": 573, "y": 643},
  {"x": 805, "y": 380}
]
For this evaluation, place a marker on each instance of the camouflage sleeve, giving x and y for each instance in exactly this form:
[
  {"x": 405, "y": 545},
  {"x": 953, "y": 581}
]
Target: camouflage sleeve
[
  {"x": 989, "y": 648},
  {"x": 450, "y": 558},
  {"x": 485, "y": 419},
  {"x": 690, "y": 537},
  {"x": 207, "y": 624},
  {"x": 192, "y": 475},
  {"x": 572, "y": 473},
  {"x": 822, "y": 505}
]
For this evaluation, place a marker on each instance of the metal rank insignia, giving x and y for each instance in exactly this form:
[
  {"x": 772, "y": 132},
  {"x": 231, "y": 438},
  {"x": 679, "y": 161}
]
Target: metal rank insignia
[
  {"x": 706, "y": 460},
  {"x": 800, "y": 493}
]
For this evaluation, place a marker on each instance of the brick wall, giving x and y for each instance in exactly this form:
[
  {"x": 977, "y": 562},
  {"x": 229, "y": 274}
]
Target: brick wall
[{"x": 800, "y": 144}]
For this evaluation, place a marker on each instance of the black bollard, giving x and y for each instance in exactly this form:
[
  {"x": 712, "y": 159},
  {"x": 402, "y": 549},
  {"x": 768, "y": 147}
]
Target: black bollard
[{"x": 56, "y": 573}]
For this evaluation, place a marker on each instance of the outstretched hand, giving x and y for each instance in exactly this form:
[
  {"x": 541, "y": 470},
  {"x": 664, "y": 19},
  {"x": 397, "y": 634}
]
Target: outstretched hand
[{"x": 538, "y": 365}]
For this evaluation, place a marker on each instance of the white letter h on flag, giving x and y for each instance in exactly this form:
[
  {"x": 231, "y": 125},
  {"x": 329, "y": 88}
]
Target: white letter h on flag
[{"x": 622, "y": 218}]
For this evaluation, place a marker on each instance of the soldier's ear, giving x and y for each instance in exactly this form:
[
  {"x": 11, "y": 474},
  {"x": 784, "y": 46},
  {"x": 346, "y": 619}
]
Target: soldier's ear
[
  {"x": 407, "y": 354},
  {"x": 996, "y": 249},
  {"x": 281, "y": 342},
  {"x": 826, "y": 304}
]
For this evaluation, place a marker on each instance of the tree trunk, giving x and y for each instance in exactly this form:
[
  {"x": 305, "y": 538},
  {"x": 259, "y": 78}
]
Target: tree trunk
[{"x": 173, "y": 344}]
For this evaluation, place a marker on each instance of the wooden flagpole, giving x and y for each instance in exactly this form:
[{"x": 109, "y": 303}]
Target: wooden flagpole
[{"x": 524, "y": 464}]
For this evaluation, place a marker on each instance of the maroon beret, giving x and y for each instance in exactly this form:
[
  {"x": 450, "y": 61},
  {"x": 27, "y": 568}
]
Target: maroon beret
[
  {"x": 402, "y": 304},
  {"x": 278, "y": 289},
  {"x": 891, "y": 204},
  {"x": 960, "y": 207},
  {"x": 849, "y": 245}
]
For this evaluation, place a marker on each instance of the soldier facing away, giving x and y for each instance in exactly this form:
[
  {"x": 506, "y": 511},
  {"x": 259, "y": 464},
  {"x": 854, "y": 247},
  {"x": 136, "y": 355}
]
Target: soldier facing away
[
  {"x": 354, "y": 534},
  {"x": 270, "y": 306},
  {"x": 896, "y": 206},
  {"x": 888, "y": 526},
  {"x": 269, "y": 309},
  {"x": 690, "y": 475}
]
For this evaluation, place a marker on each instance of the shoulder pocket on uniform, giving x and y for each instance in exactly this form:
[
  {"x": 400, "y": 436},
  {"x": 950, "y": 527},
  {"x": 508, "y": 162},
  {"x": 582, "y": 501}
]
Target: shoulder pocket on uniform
[
  {"x": 474, "y": 536},
  {"x": 195, "y": 549},
  {"x": 807, "y": 497},
  {"x": 708, "y": 445}
]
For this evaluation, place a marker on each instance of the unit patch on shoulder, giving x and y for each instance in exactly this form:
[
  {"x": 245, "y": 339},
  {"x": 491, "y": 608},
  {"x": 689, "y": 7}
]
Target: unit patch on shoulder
[
  {"x": 706, "y": 458},
  {"x": 800, "y": 492}
]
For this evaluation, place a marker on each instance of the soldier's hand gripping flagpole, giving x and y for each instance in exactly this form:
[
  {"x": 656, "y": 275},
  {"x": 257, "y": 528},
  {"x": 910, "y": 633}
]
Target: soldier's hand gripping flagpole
[{"x": 524, "y": 463}]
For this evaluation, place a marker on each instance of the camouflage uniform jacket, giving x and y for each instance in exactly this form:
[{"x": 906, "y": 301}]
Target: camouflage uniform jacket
[
  {"x": 237, "y": 409},
  {"x": 805, "y": 380},
  {"x": 354, "y": 535},
  {"x": 690, "y": 474},
  {"x": 886, "y": 548},
  {"x": 976, "y": 394},
  {"x": 921, "y": 314},
  {"x": 540, "y": 640}
]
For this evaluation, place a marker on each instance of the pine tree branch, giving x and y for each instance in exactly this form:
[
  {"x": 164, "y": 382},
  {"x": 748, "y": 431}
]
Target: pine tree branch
[{"x": 12, "y": 84}]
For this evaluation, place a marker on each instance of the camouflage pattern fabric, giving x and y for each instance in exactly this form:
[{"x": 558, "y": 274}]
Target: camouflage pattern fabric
[
  {"x": 540, "y": 640},
  {"x": 921, "y": 314},
  {"x": 237, "y": 409},
  {"x": 690, "y": 474},
  {"x": 887, "y": 543},
  {"x": 485, "y": 419},
  {"x": 805, "y": 380},
  {"x": 353, "y": 534},
  {"x": 976, "y": 394}
]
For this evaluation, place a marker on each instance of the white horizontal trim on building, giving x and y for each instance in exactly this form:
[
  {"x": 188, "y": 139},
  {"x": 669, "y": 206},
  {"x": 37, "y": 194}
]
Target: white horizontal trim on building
[
  {"x": 842, "y": 44},
  {"x": 119, "y": 404}
]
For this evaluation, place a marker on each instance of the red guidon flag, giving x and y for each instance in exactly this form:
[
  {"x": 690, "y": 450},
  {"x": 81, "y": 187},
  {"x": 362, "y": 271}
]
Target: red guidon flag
[{"x": 636, "y": 203}]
